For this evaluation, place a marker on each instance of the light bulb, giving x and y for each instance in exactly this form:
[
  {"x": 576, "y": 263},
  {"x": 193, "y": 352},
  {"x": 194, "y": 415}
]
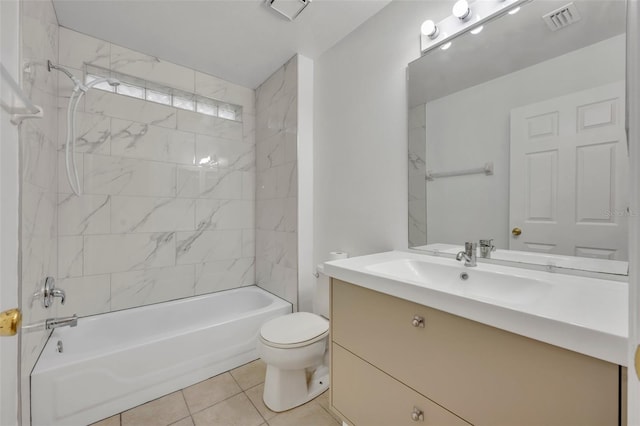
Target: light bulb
[
  {"x": 445, "y": 46},
  {"x": 429, "y": 29},
  {"x": 514, "y": 11},
  {"x": 477, "y": 30},
  {"x": 461, "y": 10}
]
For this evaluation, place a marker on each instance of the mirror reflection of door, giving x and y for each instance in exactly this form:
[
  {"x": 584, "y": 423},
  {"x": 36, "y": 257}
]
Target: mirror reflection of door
[
  {"x": 462, "y": 109},
  {"x": 569, "y": 171}
]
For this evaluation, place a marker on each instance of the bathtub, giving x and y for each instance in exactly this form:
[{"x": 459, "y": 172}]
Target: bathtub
[{"x": 115, "y": 361}]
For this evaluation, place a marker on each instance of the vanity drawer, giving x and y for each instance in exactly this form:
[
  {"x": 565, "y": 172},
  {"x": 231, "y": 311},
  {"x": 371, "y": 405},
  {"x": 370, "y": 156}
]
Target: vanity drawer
[
  {"x": 368, "y": 397},
  {"x": 483, "y": 374}
]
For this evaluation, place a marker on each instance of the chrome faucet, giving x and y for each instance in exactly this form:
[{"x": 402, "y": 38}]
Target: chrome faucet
[
  {"x": 486, "y": 247},
  {"x": 469, "y": 254},
  {"x": 52, "y": 323}
]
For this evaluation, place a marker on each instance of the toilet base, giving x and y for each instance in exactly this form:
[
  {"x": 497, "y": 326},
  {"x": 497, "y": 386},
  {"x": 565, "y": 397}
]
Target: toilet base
[{"x": 286, "y": 389}]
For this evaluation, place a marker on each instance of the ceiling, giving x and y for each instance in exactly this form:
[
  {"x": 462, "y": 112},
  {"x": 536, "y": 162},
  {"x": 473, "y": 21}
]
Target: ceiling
[{"x": 242, "y": 41}]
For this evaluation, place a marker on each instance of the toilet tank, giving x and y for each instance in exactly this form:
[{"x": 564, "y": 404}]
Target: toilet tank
[{"x": 321, "y": 295}]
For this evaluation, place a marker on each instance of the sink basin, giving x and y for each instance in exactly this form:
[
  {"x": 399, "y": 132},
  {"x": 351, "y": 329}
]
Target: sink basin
[{"x": 479, "y": 284}]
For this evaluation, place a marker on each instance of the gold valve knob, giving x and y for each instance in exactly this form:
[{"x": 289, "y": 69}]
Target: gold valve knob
[
  {"x": 516, "y": 231},
  {"x": 10, "y": 322}
]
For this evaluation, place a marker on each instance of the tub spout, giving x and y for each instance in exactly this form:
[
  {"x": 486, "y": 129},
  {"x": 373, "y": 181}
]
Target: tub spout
[{"x": 52, "y": 323}]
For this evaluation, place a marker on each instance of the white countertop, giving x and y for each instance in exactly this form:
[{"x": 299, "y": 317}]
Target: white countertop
[{"x": 585, "y": 315}]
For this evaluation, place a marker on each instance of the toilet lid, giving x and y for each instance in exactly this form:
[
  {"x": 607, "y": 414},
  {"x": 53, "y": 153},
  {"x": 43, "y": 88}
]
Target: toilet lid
[{"x": 294, "y": 328}]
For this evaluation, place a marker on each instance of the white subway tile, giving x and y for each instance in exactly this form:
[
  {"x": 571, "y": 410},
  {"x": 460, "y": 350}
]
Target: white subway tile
[
  {"x": 216, "y": 88},
  {"x": 63, "y": 181},
  {"x": 224, "y": 153},
  {"x": 207, "y": 125},
  {"x": 93, "y": 132},
  {"x": 290, "y": 223},
  {"x": 270, "y": 214},
  {"x": 70, "y": 256},
  {"x": 76, "y": 49},
  {"x": 85, "y": 295},
  {"x": 125, "y": 176},
  {"x": 128, "y": 252},
  {"x": 146, "y": 214},
  {"x": 207, "y": 182},
  {"x": 225, "y": 214},
  {"x": 137, "y": 288},
  {"x": 148, "y": 142},
  {"x": 270, "y": 152},
  {"x": 84, "y": 215},
  {"x": 127, "y": 108},
  {"x": 249, "y": 242},
  {"x": 38, "y": 159},
  {"x": 286, "y": 180},
  {"x": 276, "y": 279},
  {"x": 207, "y": 246},
  {"x": 224, "y": 275},
  {"x": 266, "y": 184},
  {"x": 249, "y": 185},
  {"x": 151, "y": 68}
]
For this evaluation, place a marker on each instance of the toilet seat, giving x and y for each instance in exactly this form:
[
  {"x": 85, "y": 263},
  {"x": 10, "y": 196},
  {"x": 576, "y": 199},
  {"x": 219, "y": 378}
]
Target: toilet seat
[{"x": 294, "y": 330}]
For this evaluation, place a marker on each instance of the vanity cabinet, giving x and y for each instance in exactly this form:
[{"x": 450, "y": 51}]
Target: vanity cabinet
[{"x": 390, "y": 356}]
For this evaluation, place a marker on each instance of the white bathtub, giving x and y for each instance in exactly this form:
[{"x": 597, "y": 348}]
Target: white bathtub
[{"x": 115, "y": 361}]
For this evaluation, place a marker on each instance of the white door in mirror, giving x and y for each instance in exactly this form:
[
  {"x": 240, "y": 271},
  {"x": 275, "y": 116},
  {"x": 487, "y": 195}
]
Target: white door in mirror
[{"x": 569, "y": 171}]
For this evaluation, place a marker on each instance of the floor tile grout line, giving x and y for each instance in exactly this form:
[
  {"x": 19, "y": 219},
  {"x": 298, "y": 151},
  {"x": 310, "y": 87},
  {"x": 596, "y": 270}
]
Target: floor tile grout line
[
  {"x": 185, "y": 401},
  {"x": 213, "y": 405},
  {"x": 179, "y": 420},
  {"x": 254, "y": 406}
]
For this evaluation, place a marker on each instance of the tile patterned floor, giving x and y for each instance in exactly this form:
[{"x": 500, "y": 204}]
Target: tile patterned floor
[{"x": 233, "y": 398}]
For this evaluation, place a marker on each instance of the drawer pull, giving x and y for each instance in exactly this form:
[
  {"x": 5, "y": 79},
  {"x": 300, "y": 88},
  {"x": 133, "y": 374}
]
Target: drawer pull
[
  {"x": 417, "y": 321},
  {"x": 417, "y": 415}
]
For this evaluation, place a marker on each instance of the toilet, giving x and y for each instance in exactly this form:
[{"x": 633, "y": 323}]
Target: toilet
[{"x": 295, "y": 349}]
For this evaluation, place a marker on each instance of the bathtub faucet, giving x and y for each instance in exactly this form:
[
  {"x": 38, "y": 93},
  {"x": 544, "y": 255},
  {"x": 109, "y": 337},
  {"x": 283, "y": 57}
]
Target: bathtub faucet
[{"x": 52, "y": 323}]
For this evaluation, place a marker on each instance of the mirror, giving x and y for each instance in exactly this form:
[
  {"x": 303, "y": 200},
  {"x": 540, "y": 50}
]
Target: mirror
[{"x": 517, "y": 134}]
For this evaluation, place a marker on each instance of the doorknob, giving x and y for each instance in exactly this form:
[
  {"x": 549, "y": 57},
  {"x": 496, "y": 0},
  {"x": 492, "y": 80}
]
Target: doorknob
[
  {"x": 516, "y": 231},
  {"x": 10, "y": 322}
]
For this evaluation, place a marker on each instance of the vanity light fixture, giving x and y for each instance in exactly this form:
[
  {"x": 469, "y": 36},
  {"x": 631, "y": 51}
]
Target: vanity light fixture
[
  {"x": 461, "y": 10},
  {"x": 467, "y": 16},
  {"x": 430, "y": 29}
]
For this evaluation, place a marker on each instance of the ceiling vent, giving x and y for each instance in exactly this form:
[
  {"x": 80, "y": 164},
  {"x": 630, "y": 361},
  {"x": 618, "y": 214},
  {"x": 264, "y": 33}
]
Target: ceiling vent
[
  {"x": 563, "y": 17},
  {"x": 290, "y": 9}
]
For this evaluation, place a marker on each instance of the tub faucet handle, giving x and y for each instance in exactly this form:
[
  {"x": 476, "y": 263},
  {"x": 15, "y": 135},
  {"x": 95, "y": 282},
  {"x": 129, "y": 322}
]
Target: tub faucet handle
[
  {"x": 59, "y": 293},
  {"x": 49, "y": 292}
]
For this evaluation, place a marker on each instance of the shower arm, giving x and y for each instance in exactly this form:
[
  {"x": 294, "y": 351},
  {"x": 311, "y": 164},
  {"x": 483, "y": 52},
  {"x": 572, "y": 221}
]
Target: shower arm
[{"x": 51, "y": 65}]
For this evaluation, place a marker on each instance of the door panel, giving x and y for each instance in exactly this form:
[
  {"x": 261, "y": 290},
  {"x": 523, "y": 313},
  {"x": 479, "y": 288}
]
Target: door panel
[{"x": 569, "y": 171}]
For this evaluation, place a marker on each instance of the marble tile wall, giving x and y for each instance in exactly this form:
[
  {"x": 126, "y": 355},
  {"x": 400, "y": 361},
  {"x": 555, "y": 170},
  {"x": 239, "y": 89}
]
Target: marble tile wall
[
  {"x": 38, "y": 176},
  {"x": 276, "y": 181},
  {"x": 417, "y": 173},
  {"x": 168, "y": 209}
]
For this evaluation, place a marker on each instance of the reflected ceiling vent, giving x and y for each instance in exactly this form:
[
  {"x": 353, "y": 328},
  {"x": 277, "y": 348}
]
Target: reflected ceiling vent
[
  {"x": 290, "y": 9},
  {"x": 563, "y": 17}
]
